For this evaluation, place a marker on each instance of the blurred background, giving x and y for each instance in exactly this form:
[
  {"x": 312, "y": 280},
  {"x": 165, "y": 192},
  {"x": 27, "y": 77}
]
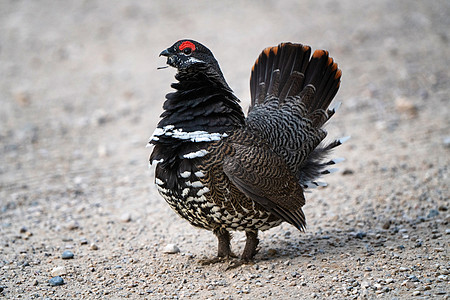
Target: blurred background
[
  {"x": 80, "y": 94},
  {"x": 80, "y": 76}
]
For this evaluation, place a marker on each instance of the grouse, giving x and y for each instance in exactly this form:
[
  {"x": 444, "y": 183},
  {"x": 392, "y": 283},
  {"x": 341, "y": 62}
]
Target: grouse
[{"x": 223, "y": 171}]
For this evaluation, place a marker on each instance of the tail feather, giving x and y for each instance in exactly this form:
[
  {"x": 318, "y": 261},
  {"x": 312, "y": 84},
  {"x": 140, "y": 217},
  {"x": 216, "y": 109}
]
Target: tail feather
[
  {"x": 289, "y": 70},
  {"x": 291, "y": 91}
]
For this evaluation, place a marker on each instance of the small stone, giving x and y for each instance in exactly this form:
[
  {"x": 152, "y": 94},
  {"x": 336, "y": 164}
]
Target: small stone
[
  {"x": 73, "y": 225},
  {"x": 360, "y": 235},
  {"x": 386, "y": 225},
  {"x": 443, "y": 277},
  {"x": 23, "y": 98},
  {"x": 413, "y": 278},
  {"x": 438, "y": 249},
  {"x": 442, "y": 208},
  {"x": 102, "y": 151},
  {"x": 406, "y": 106},
  {"x": 272, "y": 252},
  {"x": 348, "y": 172},
  {"x": 403, "y": 269},
  {"x": 446, "y": 141},
  {"x": 55, "y": 281},
  {"x": 94, "y": 246},
  {"x": 171, "y": 249},
  {"x": 416, "y": 293},
  {"x": 59, "y": 271},
  {"x": 23, "y": 229},
  {"x": 67, "y": 255},
  {"x": 433, "y": 213},
  {"x": 125, "y": 217},
  {"x": 83, "y": 241}
]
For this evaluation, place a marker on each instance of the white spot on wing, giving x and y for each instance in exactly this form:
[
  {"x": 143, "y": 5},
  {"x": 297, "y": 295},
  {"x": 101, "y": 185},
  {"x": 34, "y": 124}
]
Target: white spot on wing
[
  {"x": 195, "y": 136},
  {"x": 196, "y": 154},
  {"x": 199, "y": 174},
  {"x": 185, "y": 174},
  {"x": 202, "y": 191},
  {"x": 157, "y": 161}
]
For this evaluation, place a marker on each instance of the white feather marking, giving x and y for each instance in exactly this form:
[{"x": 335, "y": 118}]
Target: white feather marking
[
  {"x": 196, "y": 154},
  {"x": 157, "y": 161},
  {"x": 194, "y": 60},
  {"x": 202, "y": 191},
  {"x": 159, "y": 181},
  {"x": 195, "y": 136},
  {"x": 199, "y": 174},
  {"x": 185, "y": 174},
  {"x": 215, "y": 209},
  {"x": 185, "y": 192},
  {"x": 197, "y": 184}
]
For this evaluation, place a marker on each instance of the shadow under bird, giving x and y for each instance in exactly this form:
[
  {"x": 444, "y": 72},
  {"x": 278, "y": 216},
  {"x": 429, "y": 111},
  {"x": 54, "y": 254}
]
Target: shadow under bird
[{"x": 223, "y": 171}]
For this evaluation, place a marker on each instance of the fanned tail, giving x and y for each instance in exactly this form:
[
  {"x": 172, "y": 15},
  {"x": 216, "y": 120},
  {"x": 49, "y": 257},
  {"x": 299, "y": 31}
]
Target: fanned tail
[
  {"x": 289, "y": 71},
  {"x": 288, "y": 81}
]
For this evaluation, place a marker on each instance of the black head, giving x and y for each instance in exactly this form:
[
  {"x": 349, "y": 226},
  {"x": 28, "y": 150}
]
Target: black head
[{"x": 188, "y": 53}]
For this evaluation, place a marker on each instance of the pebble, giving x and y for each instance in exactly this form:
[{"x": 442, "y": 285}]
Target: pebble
[
  {"x": 443, "y": 277},
  {"x": 94, "y": 246},
  {"x": 61, "y": 270},
  {"x": 67, "y": 255},
  {"x": 55, "y": 281},
  {"x": 406, "y": 106},
  {"x": 125, "y": 217},
  {"x": 433, "y": 213},
  {"x": 360, "y": 235},
  {"x": 272, "y": 252},
  {"x": 446, "y": 141},
  {"x": 73, "y": 225},
  {"x": 171, "y": 249}
]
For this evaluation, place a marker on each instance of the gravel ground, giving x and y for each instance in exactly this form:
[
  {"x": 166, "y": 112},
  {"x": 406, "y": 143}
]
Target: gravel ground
[{"x": 80, "y": 95}]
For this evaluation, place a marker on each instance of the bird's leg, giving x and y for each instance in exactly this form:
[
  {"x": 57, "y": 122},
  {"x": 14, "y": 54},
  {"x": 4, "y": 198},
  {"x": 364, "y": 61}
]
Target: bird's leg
[
  {"x": 249, "y": 250},
  {"x": 250, "y": 245},
  {"x": 224, "y": 249}
]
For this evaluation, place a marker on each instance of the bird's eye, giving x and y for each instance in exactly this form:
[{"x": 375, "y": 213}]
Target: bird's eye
[{"x": 187, "y": 51}]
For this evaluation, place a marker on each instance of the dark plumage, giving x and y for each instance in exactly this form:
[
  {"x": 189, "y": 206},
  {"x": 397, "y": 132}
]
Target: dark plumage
[{"x": 222, "y": 171}]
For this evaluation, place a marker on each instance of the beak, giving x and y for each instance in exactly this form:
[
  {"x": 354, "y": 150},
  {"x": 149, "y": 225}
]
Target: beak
[{"x": 165, "y": 53}]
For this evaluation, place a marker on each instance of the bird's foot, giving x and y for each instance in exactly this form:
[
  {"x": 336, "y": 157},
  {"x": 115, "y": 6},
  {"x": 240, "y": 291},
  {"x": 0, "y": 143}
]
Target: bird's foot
[
  {"x": 218, "y": 259},
  {"x": 236, "y": 263}
]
